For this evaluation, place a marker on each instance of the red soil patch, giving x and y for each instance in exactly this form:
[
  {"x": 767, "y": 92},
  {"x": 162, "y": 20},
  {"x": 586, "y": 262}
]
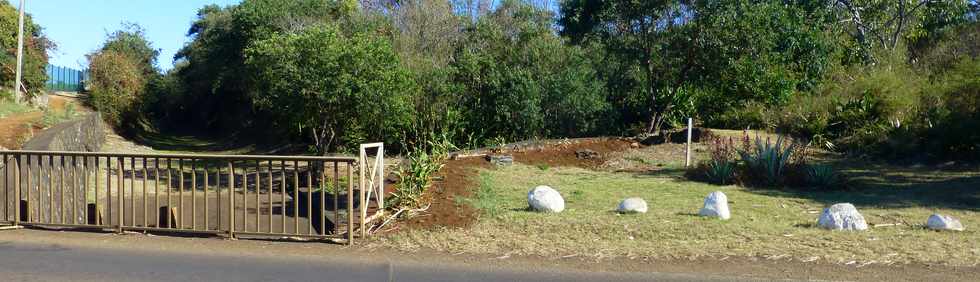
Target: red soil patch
[
  {"x": 456, "y": 180},
  {"x": 15, "y": 129},
  {"x": 18, "y": 128},
  {"x": 564, "y": 154}
]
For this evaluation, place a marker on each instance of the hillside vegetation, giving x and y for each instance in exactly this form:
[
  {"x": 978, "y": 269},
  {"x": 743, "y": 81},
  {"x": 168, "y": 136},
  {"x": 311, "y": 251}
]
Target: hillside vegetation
[{"x": 887, "y": 78}]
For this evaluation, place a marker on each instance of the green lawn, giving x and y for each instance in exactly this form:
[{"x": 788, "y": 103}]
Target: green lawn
[{"x": 765, "y": 223}]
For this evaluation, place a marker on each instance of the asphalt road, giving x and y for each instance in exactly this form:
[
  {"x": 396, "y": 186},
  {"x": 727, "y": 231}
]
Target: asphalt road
[{"x": 24, "y": 261}]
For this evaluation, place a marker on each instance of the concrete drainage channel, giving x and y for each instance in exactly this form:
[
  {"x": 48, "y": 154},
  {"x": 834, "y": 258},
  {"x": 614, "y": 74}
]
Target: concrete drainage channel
[{"x": 329, "y": 198}]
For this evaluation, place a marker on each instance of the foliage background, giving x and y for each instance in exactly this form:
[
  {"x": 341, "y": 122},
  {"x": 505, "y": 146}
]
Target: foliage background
[{"x": 888, "y": 80}]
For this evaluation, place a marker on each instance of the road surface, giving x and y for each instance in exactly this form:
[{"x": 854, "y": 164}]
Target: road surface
[{"x": 23, "y": 260}]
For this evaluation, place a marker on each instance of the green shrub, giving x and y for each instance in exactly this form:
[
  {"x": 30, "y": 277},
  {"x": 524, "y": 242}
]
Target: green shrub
[
  {"x": 487, "y": 199},
  {"x": 415, "y": 177},
  {"x": 855, "y": 113},
  {"x": 721, "y": 168},
  {"x": 949, "y": 122},
  {"x": 53, "y": 117},
  {"x": 822, "y": 176},
  {"x": 117, "y": 82},
  {"x": 331, "y": 86},
  {"x": 518, "y": 80},
  {"x": 721, "y": 173},
  {"x": 767, "y": 160}
]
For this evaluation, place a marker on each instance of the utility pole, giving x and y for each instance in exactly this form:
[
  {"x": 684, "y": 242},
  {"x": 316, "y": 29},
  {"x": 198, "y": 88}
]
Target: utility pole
[{"x": 19, "y": 96}]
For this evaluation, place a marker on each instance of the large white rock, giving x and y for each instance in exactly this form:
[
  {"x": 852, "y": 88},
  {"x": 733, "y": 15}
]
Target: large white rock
[
  {"x": 716, "y": 205},
  {"x": 632, "y": 205},
  {"x": 944, "y": 222},
  {"x": 842, "y": 217},
  {"x": 545, "y": 199}
]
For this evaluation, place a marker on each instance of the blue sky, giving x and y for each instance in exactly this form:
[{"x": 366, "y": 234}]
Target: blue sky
[{"x": 80, "y": 26}]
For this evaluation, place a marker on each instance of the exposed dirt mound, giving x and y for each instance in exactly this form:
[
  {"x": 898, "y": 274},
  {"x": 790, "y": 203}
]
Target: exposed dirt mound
[
  {"x": 569, "y": 153},
  {"x": 455, "y": 181},
  {"x": 16, "y": 129}
]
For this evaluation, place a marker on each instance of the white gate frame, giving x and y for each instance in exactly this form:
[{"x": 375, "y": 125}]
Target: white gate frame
[{"x": 371, "y": 184}]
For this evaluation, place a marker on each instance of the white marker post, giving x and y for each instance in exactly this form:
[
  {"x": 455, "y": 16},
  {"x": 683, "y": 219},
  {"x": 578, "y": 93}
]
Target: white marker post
[{"x": 690, "y": 124}]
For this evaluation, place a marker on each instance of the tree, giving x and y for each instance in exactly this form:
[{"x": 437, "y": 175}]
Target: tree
[
  {"x": 755, "y": 52},
  {"x": 131, "y": 41},
  {"x": 36, "y": 46},
  {"x": 119, "y": 72},
  {"x": 519, "y": 80},
  {"x": 116, "y": 81},
  {"x": 886, "y": 24},
  {"x": 214, "y": 71},
  {"x": 339, "y": 89},
  {"x": 643, "y": 36}
]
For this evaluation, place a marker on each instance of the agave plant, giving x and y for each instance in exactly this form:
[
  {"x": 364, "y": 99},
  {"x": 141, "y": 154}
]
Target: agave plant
[
  {"x": 720, "y": 172},
  {"x": 821, "y": 175},
  {"x": 767, "y": 159}
]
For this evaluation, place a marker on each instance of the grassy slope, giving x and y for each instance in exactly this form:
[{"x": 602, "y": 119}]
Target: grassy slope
[{"x": 765, "y": 223}]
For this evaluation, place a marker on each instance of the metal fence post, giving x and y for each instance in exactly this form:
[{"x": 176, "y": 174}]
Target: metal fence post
[
  {"x": 231, "y": 199},
  {"x": 350, "y": 203},
  {"x": 16, "y": 190}
]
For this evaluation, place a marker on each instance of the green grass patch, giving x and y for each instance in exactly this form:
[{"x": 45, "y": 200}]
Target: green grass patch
[
  {"x": 52, "y": 117},
  {"x": 9, "y": 107},
  {"x": 487, "y": 200},
  {"x": 765, "y": 223}
]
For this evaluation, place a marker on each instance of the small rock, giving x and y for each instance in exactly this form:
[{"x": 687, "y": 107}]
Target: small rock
[
  {"x": 634, "y": 145},
  {"x": 586, "y": 154},
  {"x": 632, "y": 205},
  {"x": 842, "y": 217},
  {"x": 545, "y": 199},
  {"x": 944, "y": 222},
  {"x": 716, "y": 205},
  {"x": 501, "y": 160}
]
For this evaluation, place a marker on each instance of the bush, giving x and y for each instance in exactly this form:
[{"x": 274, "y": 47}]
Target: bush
[
  {"x": 117, "y": 82},
  {"x": 721, "y": 168},
  {"x": 720, "y": 172},
  {"x": 331, "y": 86},
  {"x": 415, "y": 178},
  {"x": 950, "y": 118},
  {"x": 855, "y": 113},
  {"x": 518, "y": 80},
  {"x": 767, "y": 161},
  {"x": 822, "y": 176}
]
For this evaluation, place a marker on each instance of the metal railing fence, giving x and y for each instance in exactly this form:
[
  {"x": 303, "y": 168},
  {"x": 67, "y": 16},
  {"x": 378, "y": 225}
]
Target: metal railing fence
[{"x": 237, "y": 195}]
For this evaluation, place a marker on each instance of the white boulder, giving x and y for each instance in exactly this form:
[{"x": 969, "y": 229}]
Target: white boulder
[
  {"x": 632, "y": 205},
  {"x": 716, "y": 205},
  {"x": 545, "y": 199},
  {"x": 944, "y": 222},
  {"x": 842, "y": 217}
]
